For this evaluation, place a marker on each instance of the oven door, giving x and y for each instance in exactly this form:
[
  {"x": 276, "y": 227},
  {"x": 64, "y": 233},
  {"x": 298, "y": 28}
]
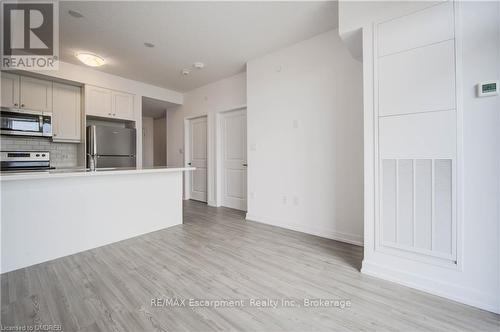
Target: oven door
[{"x": 25, "y": 123}]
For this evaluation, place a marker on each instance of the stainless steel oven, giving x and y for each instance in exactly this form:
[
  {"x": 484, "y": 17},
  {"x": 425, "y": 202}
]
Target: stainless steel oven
[
  {"x": 24, "y": 160},
  {"x": 21, "y": 122}
]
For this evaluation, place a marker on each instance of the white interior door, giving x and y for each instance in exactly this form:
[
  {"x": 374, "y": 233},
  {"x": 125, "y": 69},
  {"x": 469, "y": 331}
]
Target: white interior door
[
  {"x": 234, "y": 159},
  {"x": 198, "y": 158}
]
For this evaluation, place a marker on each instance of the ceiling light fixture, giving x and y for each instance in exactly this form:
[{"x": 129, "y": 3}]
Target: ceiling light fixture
[
  {"x": 90, "y": 59},
  {"x": 75, "y": 14},
  {"x": 185, "y": 72},
  {"x": 149, "y": 44}
]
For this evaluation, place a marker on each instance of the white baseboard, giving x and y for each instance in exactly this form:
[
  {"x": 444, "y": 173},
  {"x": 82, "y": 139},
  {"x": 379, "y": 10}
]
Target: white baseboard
[
  {"x": 450, "y": 291},
  {"x": 212, "y": 203},
  {"x": 326, "y": 233}
]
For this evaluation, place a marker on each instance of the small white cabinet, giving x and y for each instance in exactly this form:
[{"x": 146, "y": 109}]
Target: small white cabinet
[
  {"x": 26, "y": 92},
  {"x": 108, "y": 103},
  {"x": 98, "y": 101},
  {"x": 10, "y": 90},
  {"x": 35, "y": 94},
  {"x": 66, "y": 114},
  {"x": 123, "y": 105}
]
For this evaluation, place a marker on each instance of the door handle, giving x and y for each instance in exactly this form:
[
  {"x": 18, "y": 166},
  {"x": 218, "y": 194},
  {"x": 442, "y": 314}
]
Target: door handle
[
  {"x": 245, "y": 164},
  {"x": 189, "y": 164}
]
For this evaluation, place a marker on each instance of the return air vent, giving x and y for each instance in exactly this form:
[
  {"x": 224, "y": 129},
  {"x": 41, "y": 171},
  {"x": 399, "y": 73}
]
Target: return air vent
[{"x": 416, "y": 210}]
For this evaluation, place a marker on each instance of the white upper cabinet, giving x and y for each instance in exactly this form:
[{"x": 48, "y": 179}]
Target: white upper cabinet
[
  {"x": 35, "y": 94},
  {"x": 26, "y": 92},
  {"x": 123, "y": 105},
  {"x": 66, "y": 115},
  {"x": 10, "y": 90},
  {"x": 109, "y": 103},
  {"x": 98, "y": 101}
]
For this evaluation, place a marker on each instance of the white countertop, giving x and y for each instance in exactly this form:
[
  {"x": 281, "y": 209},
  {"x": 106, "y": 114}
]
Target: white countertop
[{"x": 80, "y": 171}]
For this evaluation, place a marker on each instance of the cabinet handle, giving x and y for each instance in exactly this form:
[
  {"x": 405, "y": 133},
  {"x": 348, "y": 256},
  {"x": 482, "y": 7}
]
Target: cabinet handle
[
  {"x": 22, "y": 105},
  {"x": 114, "y": 114},
  {"x": 109, "y": 113},
  {"x": 15, "y": 104}
]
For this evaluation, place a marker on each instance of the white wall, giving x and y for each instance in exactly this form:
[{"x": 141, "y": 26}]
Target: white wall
[
  {"x": 477, "y": 280},
  {"x": 305, "y": 139},
  {"x": 481, "y": 61},
  {"x": 147, "y": 141},
  {"x": 223, "y": 95}
]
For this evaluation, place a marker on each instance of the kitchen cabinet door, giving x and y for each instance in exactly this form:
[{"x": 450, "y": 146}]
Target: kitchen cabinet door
[
  {"x": 35, "y": 94},
  {"x": 10, "y": 90},
  {"x": 66, "y": 115},
  {"x": 123, "y": 105},
  {"x": 98, "y": 101}
]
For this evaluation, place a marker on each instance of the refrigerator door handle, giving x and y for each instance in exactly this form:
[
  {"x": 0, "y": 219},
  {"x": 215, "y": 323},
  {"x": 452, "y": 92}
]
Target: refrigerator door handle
[{"x": 94, "y": 140}]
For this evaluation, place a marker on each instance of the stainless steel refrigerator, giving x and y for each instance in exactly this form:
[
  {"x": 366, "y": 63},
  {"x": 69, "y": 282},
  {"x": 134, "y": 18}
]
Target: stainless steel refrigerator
[{"x": 111, "y": 146}]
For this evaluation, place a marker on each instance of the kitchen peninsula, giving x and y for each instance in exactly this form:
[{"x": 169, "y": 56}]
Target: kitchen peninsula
[{"x": 51, "y": 214}]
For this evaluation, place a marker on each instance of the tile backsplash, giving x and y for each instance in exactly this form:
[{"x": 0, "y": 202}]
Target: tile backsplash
[{"x": 61, "y": 154}]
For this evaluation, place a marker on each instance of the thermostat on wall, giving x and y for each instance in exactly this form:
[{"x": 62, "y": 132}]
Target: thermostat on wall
[{"x": 487, "y": 89}]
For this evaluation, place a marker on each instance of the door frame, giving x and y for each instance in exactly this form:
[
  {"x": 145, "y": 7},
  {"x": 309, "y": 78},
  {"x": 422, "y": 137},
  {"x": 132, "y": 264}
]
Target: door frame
[
  {"x": 219, "y": 165},
  {"x": 187, "y": 153},
  {"x": 214, "y": 155}
]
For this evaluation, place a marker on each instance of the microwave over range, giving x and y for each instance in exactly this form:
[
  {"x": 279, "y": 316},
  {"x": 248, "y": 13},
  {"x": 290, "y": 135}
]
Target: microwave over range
[{"x": 23, "y": 122}]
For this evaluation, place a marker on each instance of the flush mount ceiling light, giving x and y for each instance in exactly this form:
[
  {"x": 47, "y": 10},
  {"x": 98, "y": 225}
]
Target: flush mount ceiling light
[
  {"x": 75, "y": 14},
  {"x": 185, "y": 71},
  {"x": 149, "y": 44},
  {"x": 90, "y": 59}
]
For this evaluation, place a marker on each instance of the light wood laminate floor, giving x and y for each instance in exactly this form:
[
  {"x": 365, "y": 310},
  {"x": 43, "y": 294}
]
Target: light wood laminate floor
[{"x": 214, "y": 255}]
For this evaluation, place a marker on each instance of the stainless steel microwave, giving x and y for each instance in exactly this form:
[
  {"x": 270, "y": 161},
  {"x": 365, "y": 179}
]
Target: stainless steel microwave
[{"x": 22, "y": 122}]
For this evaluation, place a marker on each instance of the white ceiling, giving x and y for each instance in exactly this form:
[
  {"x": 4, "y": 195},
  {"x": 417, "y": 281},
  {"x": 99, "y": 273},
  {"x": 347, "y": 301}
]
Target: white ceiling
[
  {"x": 155, "y": 108},
  {"x": 223, "y": 35}
]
